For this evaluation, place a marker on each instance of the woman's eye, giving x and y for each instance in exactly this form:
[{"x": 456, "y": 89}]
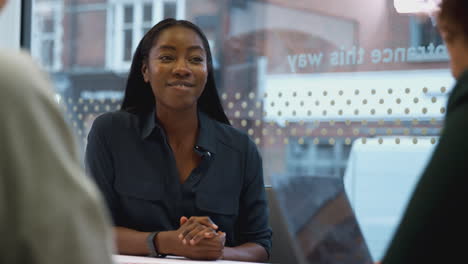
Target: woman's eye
[
  {"x": 196, "y": 59},
  {"x": 166, "y": 58}
]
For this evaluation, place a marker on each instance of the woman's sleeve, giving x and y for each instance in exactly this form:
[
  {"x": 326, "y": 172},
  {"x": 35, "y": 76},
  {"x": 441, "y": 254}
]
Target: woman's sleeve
[
  {"x": 253, "y": 213},
  {"x": 99, "y": 162}
]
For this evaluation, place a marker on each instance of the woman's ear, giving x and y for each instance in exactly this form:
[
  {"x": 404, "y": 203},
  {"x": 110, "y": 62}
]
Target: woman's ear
[{"x": 144, "y": 72}]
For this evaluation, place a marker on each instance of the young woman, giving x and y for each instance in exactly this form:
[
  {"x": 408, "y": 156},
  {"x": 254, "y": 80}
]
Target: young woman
[{"x": 177, "y": 177}]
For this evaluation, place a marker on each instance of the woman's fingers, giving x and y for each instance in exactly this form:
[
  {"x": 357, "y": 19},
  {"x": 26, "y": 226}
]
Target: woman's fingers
[
  {"x": 205, "y": 220},
  {"x": 188, "y": 225},
  {"x": 188, "y": 237},
  {"x": 187, "y": 228},
  {"x": 202, "y": 233},
  {"x": 183, "y": 220}
]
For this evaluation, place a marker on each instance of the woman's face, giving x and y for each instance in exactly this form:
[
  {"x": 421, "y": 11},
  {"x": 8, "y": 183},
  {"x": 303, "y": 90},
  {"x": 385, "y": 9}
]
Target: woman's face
[
  {"x": 177, "y": 68},
  {"x": 457, "y": 46}
]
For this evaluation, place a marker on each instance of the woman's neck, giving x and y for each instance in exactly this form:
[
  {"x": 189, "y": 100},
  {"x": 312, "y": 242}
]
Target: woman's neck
[{"x": 181, "y": 127}]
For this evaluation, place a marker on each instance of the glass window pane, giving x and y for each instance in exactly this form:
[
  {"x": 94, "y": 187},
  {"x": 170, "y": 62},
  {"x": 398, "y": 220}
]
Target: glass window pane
[
  {"x": 47, "y": 53},
  {"x": 282, "y": 80},
  {"x": 128, "y": 14},
  {"x": 322, "y": 87},
  {"x": 170, "y": 9},
  {"x": 128, "y": 44},
  {"x": 148, "y": 12},
  {"x": 48, "y": 25},
  {"x": 146, "y": 29},
  {"x": 325, "y": 152}
]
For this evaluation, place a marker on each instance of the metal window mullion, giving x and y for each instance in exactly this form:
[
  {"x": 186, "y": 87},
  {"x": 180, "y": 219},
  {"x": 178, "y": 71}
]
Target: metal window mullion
[
  {"x": 48, "y": 36},
  {"x": 35, "y": 39},
  {"x": 126, "y": 26},
  {"x": 58, "y": 30},
  {"x": 338, "y": 153},
  {"x": 119, "y": 39},
  {"x": 34, "y": 27},
  {"x": 110, "y": 32},
  {"x": 180, "y": 9},
  {"x": 145, "y": 24},
  {"x": 26, "y": 23},
  {"x": 158, "y": 11}
]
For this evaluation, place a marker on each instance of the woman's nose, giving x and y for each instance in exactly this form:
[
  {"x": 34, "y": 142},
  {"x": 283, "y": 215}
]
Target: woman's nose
[{"x": 181, "y": 69}]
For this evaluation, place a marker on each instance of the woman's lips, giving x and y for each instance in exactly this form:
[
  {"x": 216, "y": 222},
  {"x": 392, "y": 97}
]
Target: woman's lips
[{"x": 181, "y": 86}]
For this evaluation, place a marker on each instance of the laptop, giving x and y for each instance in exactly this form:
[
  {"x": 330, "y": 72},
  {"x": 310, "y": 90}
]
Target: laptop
[{"x": 313, "y": 222}]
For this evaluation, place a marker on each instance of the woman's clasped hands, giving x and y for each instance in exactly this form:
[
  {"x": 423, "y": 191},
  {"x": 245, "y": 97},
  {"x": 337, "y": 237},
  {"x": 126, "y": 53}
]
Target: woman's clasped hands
[{"x": 200, "y": 238}]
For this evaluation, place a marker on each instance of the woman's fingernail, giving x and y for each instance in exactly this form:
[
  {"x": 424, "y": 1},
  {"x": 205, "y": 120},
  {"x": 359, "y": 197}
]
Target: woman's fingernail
[{"x": 184, "y": 241}]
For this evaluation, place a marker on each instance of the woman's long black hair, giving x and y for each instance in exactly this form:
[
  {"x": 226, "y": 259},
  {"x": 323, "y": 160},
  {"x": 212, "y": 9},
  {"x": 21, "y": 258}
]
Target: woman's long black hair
[{"x": 139, "y": 96}]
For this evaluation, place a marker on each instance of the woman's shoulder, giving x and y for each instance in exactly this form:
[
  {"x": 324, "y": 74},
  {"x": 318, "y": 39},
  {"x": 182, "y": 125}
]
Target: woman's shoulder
[
  {"x": 110, "y": 121},
  {"x": 231, "y": 136}
]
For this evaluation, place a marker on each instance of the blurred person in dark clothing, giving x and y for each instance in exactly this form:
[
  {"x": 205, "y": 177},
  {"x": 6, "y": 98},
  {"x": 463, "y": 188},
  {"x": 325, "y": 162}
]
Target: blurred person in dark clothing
[{"x": 433, "y": 226}]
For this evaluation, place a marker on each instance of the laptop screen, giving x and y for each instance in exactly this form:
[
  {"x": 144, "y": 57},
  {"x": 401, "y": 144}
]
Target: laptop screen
[{"x": 321, "y": 221}]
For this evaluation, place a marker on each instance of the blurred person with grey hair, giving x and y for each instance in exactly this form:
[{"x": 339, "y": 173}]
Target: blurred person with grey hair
[{"x": 50, "y": 212}]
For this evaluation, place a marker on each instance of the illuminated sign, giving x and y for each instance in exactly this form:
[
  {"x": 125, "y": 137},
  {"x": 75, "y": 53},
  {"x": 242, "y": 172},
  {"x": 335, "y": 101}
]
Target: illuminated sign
[{"x": 415, "y": 6}]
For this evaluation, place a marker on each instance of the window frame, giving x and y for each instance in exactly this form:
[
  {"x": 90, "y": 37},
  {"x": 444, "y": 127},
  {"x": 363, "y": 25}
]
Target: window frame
[
  {"x": 416, "y": 28},
  {"x": 56, "y": 36},
  {"x": 115, "y": 30}
]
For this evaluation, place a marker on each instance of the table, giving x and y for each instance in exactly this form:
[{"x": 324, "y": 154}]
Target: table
[{"x": 124, "y": 259}]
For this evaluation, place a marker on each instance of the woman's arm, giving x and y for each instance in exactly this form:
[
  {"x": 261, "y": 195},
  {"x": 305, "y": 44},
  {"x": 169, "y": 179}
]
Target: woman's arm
[
  {"x": 100, "y": 166},
  {"x": 246, "y": 252},
  {"x": 132, "y": 242},
  {"x": 255, "y": 233},
  {"x": 99, "y": 163}
]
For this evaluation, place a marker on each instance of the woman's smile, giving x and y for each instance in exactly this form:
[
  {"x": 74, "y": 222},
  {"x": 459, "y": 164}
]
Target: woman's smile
[{"x": 181, "y": 86}]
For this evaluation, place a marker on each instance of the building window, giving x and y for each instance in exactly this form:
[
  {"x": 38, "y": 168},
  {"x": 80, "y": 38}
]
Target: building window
[
  {"x": 320, "y": 160},
  {"x": 46, "y": 41},
  {"x": 169, "y": 9},
  {"x": 424, "y": 36},
  {"x": 132, "y": 20}
]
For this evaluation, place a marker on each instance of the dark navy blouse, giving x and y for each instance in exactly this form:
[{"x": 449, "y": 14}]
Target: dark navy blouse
[{"x": 132, "y": 163}]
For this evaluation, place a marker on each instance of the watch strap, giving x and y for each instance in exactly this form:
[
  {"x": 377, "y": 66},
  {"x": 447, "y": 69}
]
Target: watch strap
[{"x": 152, "y": 248}]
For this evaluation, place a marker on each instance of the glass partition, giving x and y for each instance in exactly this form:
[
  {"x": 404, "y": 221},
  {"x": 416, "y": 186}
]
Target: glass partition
[{"x": 324, "y": 88}]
